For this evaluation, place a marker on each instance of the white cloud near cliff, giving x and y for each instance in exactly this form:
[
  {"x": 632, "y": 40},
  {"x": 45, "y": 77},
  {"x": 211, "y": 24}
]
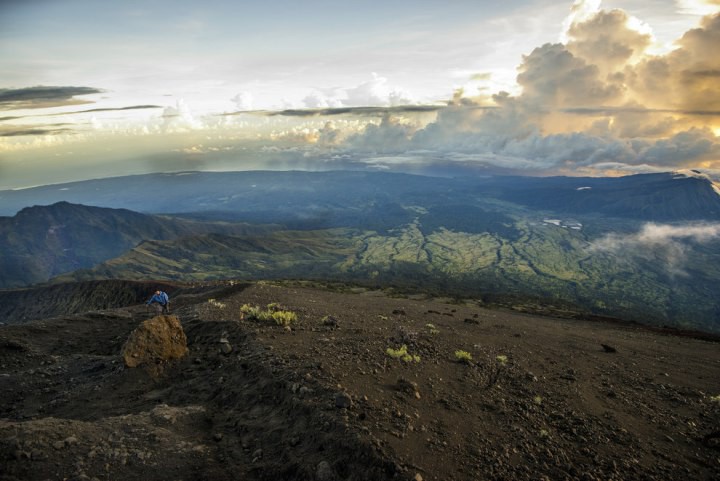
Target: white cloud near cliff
[{"x": 668, "y": 244}]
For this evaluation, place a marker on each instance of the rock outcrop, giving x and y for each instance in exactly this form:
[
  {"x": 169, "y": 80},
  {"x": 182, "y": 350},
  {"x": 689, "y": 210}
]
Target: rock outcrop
[{"x": 154, "y": 343}]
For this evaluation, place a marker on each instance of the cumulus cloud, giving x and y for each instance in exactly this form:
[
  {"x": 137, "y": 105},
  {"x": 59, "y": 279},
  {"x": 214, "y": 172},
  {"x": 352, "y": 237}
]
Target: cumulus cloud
[
  {"x": 595, "y": 101},
  {"x": 667, "y": 244},
  {"x": 179, "y": 118},
  {"x": 43, "y": 97},
  {"x": 243, "y": 101},
  {"x": 375, "y": 92}
]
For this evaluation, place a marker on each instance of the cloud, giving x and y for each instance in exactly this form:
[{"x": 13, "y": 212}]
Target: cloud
[
  {"x": 686, "y": 78},
  {"x": 179, "y": 118},
  {"x": 375, "y": 92},
  {"x": 667, "y": 244},
  {"x": 243, "y": 101},
  {"x": 608, "y": 39},
  {"x": 33, "y": 131},
  {"x": 698, "y": 7},
  {"x": 346, "y": 111},
  {"x": 43, "y": 97},
  {"x": 598, "y": 104}
]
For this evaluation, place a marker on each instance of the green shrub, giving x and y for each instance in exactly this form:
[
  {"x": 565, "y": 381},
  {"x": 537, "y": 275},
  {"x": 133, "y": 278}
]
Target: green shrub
[
  {"x": 433, "y": 330},
  {"x": 402, "y": 354},
  {"x": 272, "y": 314},
  {"x": 218, "y": 304},
  {"x": 397, "y": 353},
  {"x": 463, "y": 356},
  {"x": 284, "y": 318}
]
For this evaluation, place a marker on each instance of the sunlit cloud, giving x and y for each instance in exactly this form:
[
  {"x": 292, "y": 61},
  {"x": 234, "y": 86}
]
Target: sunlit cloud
[{"x": 667, "y": 245}]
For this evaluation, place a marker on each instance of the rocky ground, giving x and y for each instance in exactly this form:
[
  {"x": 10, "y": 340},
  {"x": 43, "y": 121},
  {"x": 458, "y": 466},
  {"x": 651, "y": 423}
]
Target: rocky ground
[{"x": 540, "y": 398}]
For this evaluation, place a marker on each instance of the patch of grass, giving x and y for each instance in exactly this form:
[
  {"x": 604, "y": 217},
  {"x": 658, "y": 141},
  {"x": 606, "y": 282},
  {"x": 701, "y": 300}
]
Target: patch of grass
[
  {"x": 715, "y": 399},
  {"x": 538, "y": 400},
  {"x": 402, "y": 354},
  {"x": 274, "y": 313},
  {"x": 432, "y": 329},
  {"x": 218, "y": 304},
  {"x": 284, "y": 318},
  {"x": 463, "y": 356},
  {"x": 503, "y": 360}
]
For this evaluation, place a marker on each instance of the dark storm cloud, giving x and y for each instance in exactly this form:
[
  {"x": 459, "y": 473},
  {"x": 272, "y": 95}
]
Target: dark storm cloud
[
  {"x": 43, "y": 96},
  {"x": 88, "y": 111},
  {"x": 33, "y": 131},
  {"x": 373, "y": 111}
]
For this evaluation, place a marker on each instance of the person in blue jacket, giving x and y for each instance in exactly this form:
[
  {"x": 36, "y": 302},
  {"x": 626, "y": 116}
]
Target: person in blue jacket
[{"x": 161, "y": 302}]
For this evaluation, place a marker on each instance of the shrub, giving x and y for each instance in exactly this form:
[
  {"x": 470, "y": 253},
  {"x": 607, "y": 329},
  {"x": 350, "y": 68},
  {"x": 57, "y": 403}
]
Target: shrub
[
  {"x": 463, "y": 356},
  {"x": 537, "y": 400},
  {"x": 397, "y": 353},
  {"x": 284, "y": 318},
  {"x": 251, "y": 312},
  {"x": 502, "y": 359},
  {"x": 273, "y": 314},
  {"x": 402, "y": 354},
  {"x": 218, "y": 304},
  {"x": 433, "y": 330}
]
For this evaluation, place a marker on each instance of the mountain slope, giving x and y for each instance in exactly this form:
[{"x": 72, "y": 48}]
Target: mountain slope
[
  {"x": 342, "y": 199},
  {"x": 650, "y": 197},
  {"x": 44, "y": 241},
  {"x": 540, "y": 398},
  {"x": 538, "y": 266}
]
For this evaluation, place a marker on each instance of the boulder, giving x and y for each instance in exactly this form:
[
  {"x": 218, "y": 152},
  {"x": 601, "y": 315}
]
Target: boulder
[{"x": 155, "y": 342}]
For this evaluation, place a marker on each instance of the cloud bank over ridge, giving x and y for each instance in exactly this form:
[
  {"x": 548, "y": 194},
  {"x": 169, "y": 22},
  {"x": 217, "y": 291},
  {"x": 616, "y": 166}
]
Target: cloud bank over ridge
[{"x": 597, "y": 104}]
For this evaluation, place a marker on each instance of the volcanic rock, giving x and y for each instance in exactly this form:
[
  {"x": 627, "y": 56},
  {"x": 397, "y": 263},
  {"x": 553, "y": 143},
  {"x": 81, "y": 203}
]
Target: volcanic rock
[{"x": 154, "y": 342}]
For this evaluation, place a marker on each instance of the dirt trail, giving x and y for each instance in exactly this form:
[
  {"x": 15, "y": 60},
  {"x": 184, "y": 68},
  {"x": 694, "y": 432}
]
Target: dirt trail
[{"x": 541, "y": 398}]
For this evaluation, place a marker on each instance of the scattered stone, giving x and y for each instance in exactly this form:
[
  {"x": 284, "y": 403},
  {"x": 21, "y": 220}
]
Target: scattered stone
[
  {"x": 258, "y": 454},
  {"x": 343, "y": 400},
  {"x": 418, "y": 477},
  {"x": 59, "y": 445},
  {"x": 398, "y": 312},
  {"x": 155, "y": 341},
  {"x": 225, "y": 346},
  {"x": 407, "y": 386},
  {"x": 330, "y": 321},
  {"x": 471, "y": 321},
  {"x": 607, "y": 348},
  {"x": 324, "y": 472},
  {"x": 218, "y": 437}
]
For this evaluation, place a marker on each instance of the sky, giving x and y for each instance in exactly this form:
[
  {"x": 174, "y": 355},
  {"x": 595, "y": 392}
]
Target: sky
[{"x": 92, "y": 89}]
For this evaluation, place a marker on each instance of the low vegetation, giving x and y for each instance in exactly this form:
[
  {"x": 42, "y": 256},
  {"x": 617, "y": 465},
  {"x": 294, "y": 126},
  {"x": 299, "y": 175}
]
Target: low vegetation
[
  {"x": 463, "y": 356},
  {"x": 216, "y": 303},
  {"x": 402, "y": 354},
  {"x": 273, "y": 313}
]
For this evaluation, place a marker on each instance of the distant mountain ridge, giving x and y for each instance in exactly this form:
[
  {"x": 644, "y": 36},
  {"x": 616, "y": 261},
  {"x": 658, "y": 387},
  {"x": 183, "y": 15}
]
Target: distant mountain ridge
[
  {"x": 44, "y": 241},
  {"x": 335, "y": 199},
  {"x": 544, "y": 240}
]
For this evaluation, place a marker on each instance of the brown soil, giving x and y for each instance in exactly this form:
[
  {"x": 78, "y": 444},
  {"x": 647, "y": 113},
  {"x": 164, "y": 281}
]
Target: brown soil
[{"x": 542, "y": 398}]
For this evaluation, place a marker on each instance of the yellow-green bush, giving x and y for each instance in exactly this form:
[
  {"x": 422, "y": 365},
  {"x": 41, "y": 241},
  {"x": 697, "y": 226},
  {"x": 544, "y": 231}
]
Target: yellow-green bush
[
  {"x": 273, "y": 313},
  {"x": 284, "y": 318},
  {"x": 402, "y": 354},
  {"x": 463, "y": 356}
]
